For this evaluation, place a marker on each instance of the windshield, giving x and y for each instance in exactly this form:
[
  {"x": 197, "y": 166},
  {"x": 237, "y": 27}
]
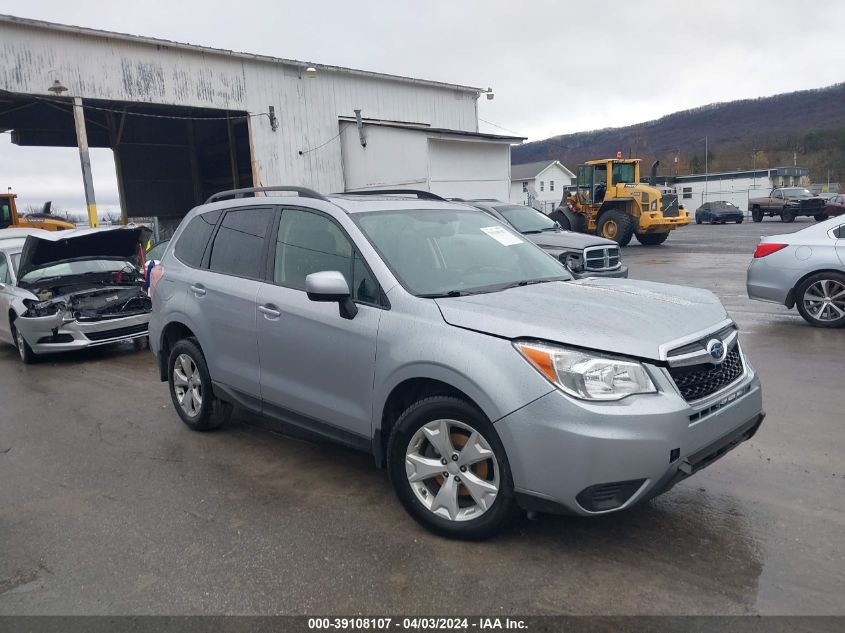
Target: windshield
[
  {"x": 526, "y": 219},
  {"x": 623, "y": 173},
  {"x": 78, "y": 268},
  {"x": 797, "y": 192},
  {"x": 443, "y": 252}
]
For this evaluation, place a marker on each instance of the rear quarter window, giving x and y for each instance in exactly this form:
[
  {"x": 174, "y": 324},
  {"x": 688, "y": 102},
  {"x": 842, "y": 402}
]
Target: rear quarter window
[{"x": 192, "y": 242}]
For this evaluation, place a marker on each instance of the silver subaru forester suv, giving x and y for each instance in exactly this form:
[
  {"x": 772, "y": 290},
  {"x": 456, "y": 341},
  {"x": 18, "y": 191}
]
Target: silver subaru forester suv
[{"x": 458, "y": 353}]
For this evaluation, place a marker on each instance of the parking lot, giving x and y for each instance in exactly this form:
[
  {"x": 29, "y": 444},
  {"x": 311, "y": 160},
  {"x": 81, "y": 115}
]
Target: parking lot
[{"x": 110, "y": 505}]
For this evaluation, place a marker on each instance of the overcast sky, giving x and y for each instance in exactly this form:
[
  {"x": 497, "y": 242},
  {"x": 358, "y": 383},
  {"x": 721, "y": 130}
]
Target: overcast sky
[{"x": 555, "y": 66}]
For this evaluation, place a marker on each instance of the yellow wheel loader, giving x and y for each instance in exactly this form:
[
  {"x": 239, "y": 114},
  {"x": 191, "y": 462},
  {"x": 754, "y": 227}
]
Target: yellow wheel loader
[
  {"x": 9, "y": 218},
  {"x": 610, "y": 201}
]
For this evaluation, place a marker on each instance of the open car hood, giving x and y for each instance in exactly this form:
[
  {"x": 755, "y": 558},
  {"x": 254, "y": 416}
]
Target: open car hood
[{"x": 49, "y": 248}]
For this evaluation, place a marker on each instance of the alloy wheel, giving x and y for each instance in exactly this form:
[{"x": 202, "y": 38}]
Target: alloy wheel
[
  {"x": 610, "y": 229},
  {"x": 21, "y": 344},
  {"x": 452, "y": 470},
  {"x": 824, "y": 300},
  {"x": 187, "y": 384}
]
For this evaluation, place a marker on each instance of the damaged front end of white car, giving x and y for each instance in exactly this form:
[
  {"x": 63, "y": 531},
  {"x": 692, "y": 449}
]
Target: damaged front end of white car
[{"x": 79, "y": 289}]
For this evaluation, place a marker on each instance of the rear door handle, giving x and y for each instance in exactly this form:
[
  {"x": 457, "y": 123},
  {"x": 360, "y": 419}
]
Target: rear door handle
[
  {"x": 198, "y": 290},
  {"x": 270, "y": 312}
]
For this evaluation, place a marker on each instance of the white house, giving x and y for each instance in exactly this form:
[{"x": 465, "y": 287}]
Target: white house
[{"x": 548, "y": 178}]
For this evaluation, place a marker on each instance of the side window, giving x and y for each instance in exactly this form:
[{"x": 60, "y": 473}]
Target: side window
[
  {"x": 193, "y": 240},
  {"x": 777, "y": 194},
  {"x": 5, "y": 215},
  {"x": 310, "y": 243},
  {"x": 4, "y": 270},
  {"x": 238, "y": 247}
]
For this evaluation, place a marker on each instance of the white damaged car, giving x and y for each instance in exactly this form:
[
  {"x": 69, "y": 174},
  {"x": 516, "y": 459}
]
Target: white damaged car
[{"x": 69, "y": 290}]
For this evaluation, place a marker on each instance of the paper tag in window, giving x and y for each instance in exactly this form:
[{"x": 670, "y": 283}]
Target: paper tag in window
[{"x": 502, "y": 235}]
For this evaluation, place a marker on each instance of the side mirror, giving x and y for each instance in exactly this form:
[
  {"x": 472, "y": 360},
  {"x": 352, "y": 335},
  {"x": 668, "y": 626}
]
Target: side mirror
[{"x": 330, "y": 286}]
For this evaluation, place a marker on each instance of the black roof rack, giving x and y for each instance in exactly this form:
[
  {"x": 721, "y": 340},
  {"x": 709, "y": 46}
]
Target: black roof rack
[
  {"x": 304, "y": 192},
  {"x": 421, "y": 195}
]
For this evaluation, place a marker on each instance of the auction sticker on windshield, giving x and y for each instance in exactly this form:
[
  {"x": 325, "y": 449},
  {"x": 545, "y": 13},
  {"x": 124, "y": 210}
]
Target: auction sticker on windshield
[{"x": 501, "y": 235}]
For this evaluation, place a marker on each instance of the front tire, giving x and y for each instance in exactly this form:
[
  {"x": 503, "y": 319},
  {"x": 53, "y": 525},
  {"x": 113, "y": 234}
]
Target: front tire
[
  {"x": 617, "y": 226},
  {"x": 820, "y": 217},
  {"x": 820, "y": 299},
  {"x": 757, "y": 214},
  {"x": 449, "y": 469},
  {"x": 25, "y": 352},
  {"x": 191, "y": 390},
  {"x": 787, "y": 216},
  {"x": 652, "y": 239}
]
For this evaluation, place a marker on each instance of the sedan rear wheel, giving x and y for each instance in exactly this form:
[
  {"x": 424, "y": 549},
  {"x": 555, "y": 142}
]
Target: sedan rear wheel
[{"x": 822, "y": 300}]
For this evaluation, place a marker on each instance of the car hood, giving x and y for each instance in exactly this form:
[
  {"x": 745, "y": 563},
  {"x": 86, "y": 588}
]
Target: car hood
[
  {"x": 619, "y": 316},
  {"x": 49, "y": 248},
  {"x": 562, "y": 240}
]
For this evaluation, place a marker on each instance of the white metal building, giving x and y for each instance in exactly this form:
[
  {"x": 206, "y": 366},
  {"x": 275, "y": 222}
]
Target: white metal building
[
  {"x": 546, "y": 178},
  {"x": 185, "y": 121},
  {"x": 733, "y": 186}
]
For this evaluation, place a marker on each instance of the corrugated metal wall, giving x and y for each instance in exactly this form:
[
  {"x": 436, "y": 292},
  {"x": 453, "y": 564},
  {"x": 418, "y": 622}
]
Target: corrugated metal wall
[{"x": 101, "y": 67}]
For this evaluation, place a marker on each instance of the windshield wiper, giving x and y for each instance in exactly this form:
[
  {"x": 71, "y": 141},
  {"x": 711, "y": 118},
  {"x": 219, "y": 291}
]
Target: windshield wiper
[
  {"x": 531, "y": 282},
  {"x": 442, "y": 295}
]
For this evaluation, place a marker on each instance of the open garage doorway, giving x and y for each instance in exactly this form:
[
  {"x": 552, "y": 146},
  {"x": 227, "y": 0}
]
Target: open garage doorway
[{"x": 167, "y": 158}]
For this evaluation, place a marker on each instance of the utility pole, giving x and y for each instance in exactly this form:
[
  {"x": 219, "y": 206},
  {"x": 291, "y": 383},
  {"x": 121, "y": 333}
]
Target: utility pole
[
  {"x": 85, "y": 161},
  {"x": 706, "y": 167}
]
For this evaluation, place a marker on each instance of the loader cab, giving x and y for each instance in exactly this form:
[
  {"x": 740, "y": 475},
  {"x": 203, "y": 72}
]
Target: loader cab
[{"x": 593, "y": 181}]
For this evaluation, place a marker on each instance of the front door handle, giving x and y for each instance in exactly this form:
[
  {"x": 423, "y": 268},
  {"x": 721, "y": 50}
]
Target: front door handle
[
  {"x": 269, "y": 311},
  {"x": 198, "y": 290}
]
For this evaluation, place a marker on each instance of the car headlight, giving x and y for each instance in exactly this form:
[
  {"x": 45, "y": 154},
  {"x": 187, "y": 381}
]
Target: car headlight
[
  {"x": 587, "y": 375},
  {"x": 572, "y": 261}
]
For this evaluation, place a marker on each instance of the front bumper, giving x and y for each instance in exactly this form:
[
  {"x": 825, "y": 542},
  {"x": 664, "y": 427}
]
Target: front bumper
[
  {"x": 566, "y": 454},
  {"x": 621, "y": 272},
  {"x": 728, "y": 217},
  {"x": 49, "y": 335}
]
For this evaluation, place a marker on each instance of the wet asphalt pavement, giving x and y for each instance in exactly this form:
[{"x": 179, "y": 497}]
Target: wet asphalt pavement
[{"x": 109, "y": 505}]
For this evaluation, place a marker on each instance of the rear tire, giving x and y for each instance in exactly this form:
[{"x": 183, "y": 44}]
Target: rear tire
[
  {"x": 191, "y": 389},
  {"x": 617, "y": 226},
  {"x": 810, "y": 295},
  {"x": 820, "y": 217},
  {"x": 27, "y": 356},
  {"x": 787, "y": 216},
  {"x": 438, "y": 501},
  {"x": 652, "y": 239},
  {"x": 739, "y": 221},
  {"x": 757, "y": 214}
]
